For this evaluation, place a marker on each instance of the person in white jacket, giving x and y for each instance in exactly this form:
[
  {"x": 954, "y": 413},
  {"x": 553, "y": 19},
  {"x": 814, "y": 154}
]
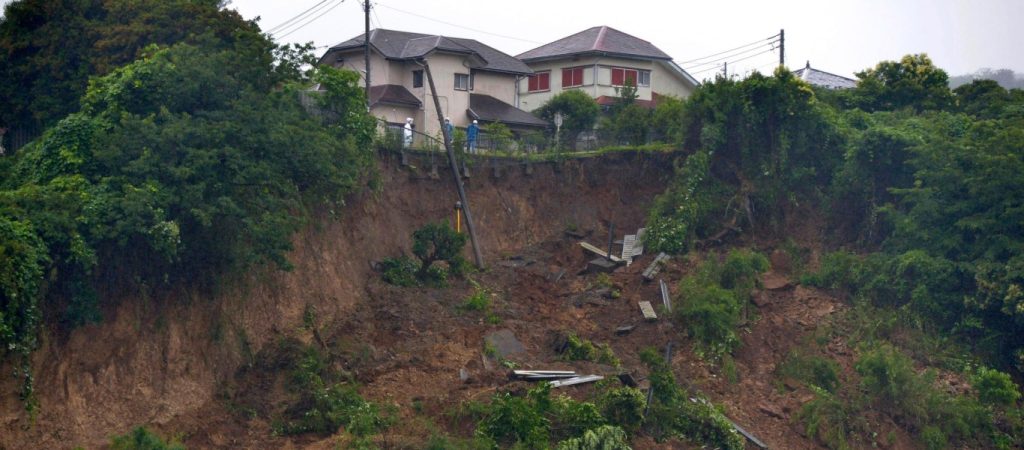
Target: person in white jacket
[{"x": 407, "y": 133}]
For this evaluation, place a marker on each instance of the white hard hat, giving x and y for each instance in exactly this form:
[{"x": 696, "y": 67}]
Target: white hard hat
[{"x": 474, "y": 121}]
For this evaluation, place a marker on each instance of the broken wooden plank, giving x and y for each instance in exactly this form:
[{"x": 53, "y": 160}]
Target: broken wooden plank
[
  {"x": 753, "y": 440},
  {"x": 627, "y": 248},
  {"x": 599, "y": 252},
  {"x": 655, "y": 266},
  {"x": 625, "y": 329},
  {"x": 648, "y": 311},
  {"x": 576, "y": 380},
  {"x": 665, "y": 299}
]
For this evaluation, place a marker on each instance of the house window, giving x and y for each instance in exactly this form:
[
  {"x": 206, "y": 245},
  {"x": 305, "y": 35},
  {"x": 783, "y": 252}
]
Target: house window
[
  {"x": 417, "y": 78},
  {"x": 540, "y": 81},
  {"x": 572, "y": 77},
  {"x": 621, "y": 76},
  {"x": 644, "y": 79},
  {"x": 462, "y": 82}
]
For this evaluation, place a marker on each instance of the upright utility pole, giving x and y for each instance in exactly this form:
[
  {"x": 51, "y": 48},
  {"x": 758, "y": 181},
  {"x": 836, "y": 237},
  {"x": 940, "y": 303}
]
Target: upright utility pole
[
  {"x": 366, "y": 53},
  {"x": 782, "y": 47},
  {"x": 725, "y": 69},
  {"x": 455, "y": 168}
]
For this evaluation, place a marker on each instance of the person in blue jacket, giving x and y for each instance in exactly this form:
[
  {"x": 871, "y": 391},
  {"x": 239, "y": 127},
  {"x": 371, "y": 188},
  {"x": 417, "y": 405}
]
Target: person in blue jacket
[{"x": 471, "y": 134}]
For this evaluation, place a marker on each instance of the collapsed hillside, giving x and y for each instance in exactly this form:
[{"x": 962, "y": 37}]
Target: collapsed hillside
[{"x": 166, "y": 355}]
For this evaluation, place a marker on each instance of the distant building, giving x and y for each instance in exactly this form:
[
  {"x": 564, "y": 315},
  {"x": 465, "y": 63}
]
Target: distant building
[
  {"x": 473, "y": 80},
  {"x": 823, "y": 79},
  {"x": 598, "y": 61}
]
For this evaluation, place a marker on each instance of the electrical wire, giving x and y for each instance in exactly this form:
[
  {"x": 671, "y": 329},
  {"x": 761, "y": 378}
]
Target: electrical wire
[
  {"x": 311, "y": 20},
  {"x": 379, "y": 23},
  {"x": 295, "y": 18},
  {"x": 730, "y": 56},
  {"x": 732, "y": 49},
  {"x": 459, "y": 26},
  {"x": 719, "y": 66}
]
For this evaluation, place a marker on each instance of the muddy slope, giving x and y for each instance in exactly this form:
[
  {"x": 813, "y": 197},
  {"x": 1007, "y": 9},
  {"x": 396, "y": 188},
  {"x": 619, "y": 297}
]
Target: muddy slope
[{"x": 160, "y": 357}]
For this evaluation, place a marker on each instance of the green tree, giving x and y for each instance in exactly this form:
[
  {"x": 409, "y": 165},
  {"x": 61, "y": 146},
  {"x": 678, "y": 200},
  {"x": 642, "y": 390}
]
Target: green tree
[
  {"x": 50, "y": 49},
  {"x": 912, "y": 82},
  {"x": 438, "y": 242},
  {"x": 579, "y": 113}
]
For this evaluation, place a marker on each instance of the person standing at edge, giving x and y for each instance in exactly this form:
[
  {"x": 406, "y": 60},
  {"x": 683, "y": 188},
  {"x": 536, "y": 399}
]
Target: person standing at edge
[
  {"x": 448, "y": 128},
  {"x": 471, "y": 134},
  {"x": 407, "y": 133}
]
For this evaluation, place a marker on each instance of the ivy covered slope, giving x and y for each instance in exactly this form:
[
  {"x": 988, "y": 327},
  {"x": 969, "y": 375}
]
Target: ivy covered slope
[
  {"x": 194, "y": 160},
  {"x": 920, "y": 190}
]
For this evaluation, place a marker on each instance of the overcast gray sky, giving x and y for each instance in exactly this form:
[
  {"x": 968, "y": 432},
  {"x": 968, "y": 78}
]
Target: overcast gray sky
[{"x": 842, "y": 37}]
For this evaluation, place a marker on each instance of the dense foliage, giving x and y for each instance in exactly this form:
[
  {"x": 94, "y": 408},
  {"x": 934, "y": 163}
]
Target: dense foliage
[
  {"x": 195, "y": 160},
  {"x": 50, "y": 49},
  {"x": 579, "y": 113},
  {"x": 141, "y": 438},
  {"x": 921, "y": 185}
]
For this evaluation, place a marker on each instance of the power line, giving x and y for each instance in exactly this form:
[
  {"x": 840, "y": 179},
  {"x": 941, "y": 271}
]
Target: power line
[
  {"x": 297, "y": 17},
  {"x": 311, "y": 20},
  {"x": 375, "y": 16},
  {"x": 732, "y": 55},
  {"x": 719, "y": 66},
  {"x": 732, "y": 49},
  {"x": 459, "y": 26}
]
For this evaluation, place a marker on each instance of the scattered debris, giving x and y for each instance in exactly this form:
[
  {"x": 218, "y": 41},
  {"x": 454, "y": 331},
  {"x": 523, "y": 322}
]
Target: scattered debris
[
  {"x": 625, "y": 329},
  {"x": 555, "y": 276},
  {"x": 648, "y": 311},
  {"x": 627, "y": 248},
  {"x": 576, "y": 380},
  {"x": 464, "y": 375},
  {"x": 665, "y": 299},
  {"x": 627, "y": 379},
  {"x": 537, "y": 375},
  {"x": 638, "y": 247},
  {"x": 599, "y": 252},
  {"x": 599, "y": 265},
  {"x": 655, "y": 266},
  {"x": 746, "y": 434},
  {"x": 574, "y": 234}
]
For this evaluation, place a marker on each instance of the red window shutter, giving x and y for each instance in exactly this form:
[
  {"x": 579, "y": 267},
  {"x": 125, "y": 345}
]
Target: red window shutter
[
  {"x": 567, "y": 77},
  {"x": 533, "y": 83},
  {"x": 630, "y": 77},
  {"x": 545, "y": 81},
  {"x": 577, "y": 76},
  {"x": 617, "y": 77}
]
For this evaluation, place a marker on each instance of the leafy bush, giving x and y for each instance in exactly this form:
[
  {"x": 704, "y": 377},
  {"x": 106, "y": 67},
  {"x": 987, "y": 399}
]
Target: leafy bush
[
  {"x": 713, "y": 298},
  {"x": 605, "y": 437},
  {"x": 995, "y": 388},
  {"x": 579, "y": 114},
  {"x": 141, "y": 438},
  {"x": 579, "y": 349},
  {"x": 683, "y": 213},
  {"x": 829, "y": 419},
  {"x": 673, "y": 414},
  {"x": 438, "y": 242},
  {"x": 400, "y": 271},
  {"x": 324, "y": 404},
  {"x": 816, "y": 371},
  {"x": 623, "y": 407},
  {"x": 532, "y": 420}
]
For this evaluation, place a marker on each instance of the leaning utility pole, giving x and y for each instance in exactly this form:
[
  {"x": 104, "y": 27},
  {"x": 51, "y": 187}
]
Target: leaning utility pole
[
  {"x": 455, "y": 167},
  {"x": 782, "y": 47},
  {"x": 366, "y": 53}
]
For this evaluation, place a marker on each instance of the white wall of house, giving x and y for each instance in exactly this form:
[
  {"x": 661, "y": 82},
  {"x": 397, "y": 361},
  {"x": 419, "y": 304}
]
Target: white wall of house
[
  {"x": 443, "y": 67},
  {"x": 600, "y": 68}
]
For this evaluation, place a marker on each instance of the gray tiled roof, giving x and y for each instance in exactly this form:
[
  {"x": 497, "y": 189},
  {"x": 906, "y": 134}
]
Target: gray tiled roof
[
  {"x": 405, "y": 45},
  {"x": 490, "y": 109},
  {"x": 824, "y": 79},
  {"x": 604, "y": 40},
  {"x": 392, "y": 94}
]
